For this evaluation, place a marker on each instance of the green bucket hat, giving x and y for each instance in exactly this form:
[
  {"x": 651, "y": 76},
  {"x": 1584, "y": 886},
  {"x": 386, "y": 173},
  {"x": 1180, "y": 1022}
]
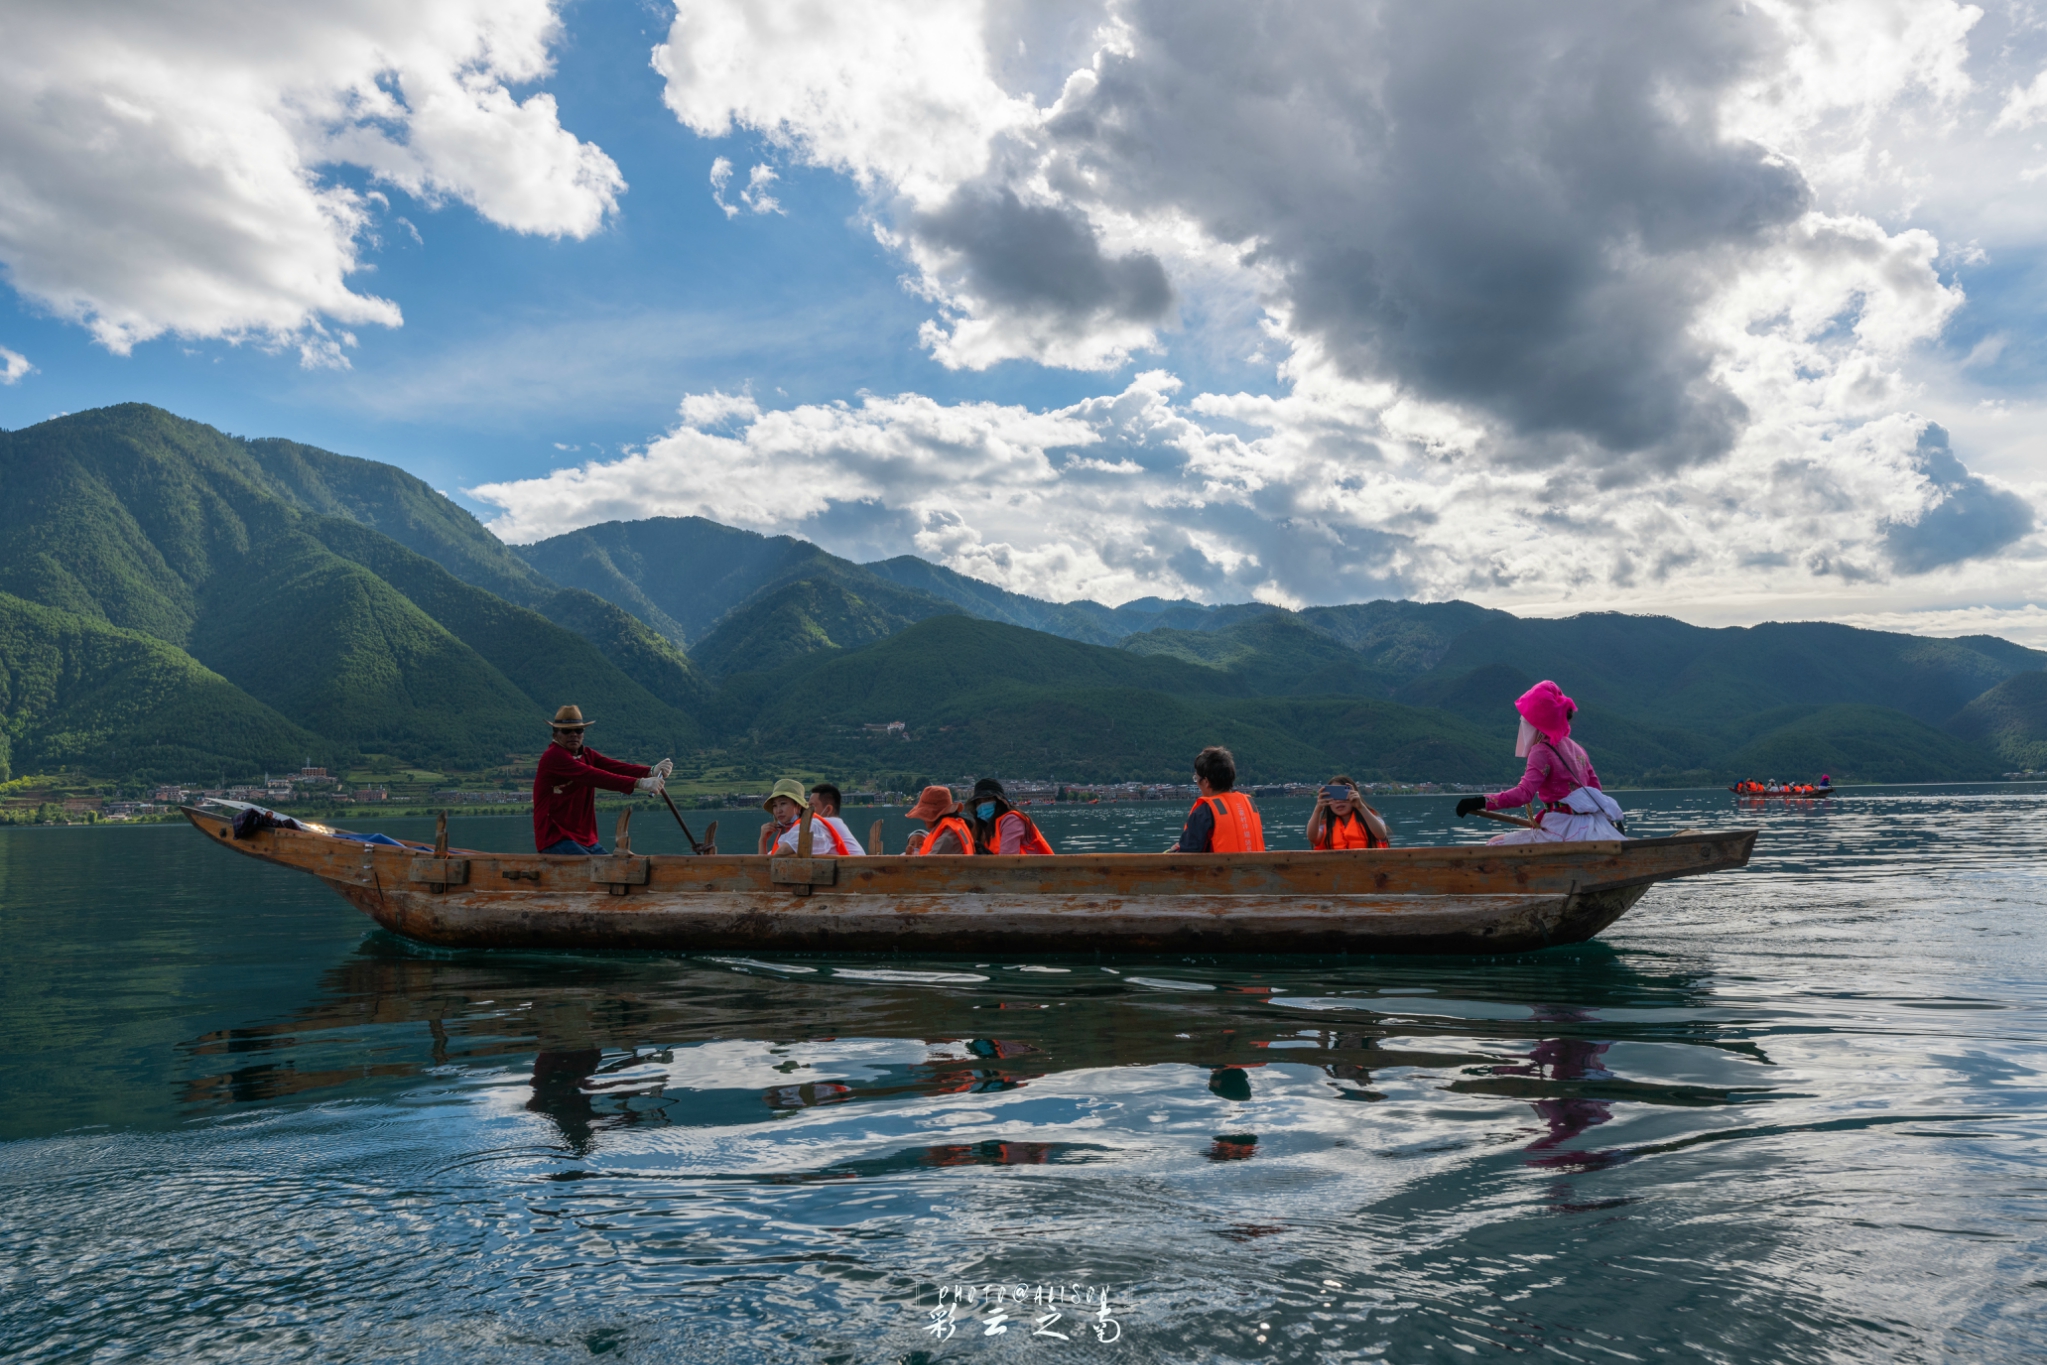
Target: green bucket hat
[{"x": 788, "y": 787}]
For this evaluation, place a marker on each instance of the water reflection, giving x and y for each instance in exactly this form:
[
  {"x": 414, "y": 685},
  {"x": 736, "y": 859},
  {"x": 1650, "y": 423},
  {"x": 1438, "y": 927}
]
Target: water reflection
[
  {"x": 1684, "y": 1140},
  {"x": 608, "y": 1044}
]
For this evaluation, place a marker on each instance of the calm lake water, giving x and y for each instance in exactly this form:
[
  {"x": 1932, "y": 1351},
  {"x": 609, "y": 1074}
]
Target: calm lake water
[{"x": 1791, "y": 1114}]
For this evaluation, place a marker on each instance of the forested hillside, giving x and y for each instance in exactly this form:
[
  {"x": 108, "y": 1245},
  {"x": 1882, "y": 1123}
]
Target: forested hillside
[
  {"x": 177, "y": 602},
  {"x": 132, "y": 518}
]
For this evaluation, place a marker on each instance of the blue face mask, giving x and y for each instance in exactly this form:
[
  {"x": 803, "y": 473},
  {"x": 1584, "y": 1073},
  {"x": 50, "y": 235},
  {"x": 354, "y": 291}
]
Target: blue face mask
[{"x": 986, "y": 810}]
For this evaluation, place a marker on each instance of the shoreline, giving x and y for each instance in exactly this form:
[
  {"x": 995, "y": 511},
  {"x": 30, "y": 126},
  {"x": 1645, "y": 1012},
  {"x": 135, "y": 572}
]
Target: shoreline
[{"x": 342, "y": 815}]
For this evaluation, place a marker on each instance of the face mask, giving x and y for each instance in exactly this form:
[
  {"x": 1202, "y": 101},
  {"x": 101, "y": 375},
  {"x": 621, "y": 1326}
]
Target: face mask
[{"x": 986, "y": 810}]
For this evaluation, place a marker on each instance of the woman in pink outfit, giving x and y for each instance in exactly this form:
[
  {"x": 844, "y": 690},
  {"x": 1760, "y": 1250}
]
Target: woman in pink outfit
[{"x": 1559, "y": 775}]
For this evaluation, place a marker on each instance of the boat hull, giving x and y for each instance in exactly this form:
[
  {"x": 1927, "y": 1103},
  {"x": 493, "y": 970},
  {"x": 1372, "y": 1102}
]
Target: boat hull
[
  {"x": 1459, "y": 899},
  {"x": 989, "y": 923}
]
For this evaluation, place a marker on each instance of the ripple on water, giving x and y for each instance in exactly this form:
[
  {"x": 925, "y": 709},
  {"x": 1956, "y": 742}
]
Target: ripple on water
[{"x": 1794, "y": 1114}]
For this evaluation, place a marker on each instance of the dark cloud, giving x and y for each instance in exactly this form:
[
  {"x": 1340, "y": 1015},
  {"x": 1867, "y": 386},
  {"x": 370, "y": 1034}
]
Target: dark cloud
[
  {"x": 1971, "y": 519},
  {"x": 1517, "y": 207},
  {"x": 1041, "y": 261}
]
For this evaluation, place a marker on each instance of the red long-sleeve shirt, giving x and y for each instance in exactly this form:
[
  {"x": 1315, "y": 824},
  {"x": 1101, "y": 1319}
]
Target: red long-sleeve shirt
[{"x": 565, "y": 793}]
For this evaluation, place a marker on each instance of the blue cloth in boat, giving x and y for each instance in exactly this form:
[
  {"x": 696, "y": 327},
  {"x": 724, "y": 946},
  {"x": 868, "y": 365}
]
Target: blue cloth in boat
[
  {"x": 370, "y": 839},
  {"x": 566, "y": 847}
]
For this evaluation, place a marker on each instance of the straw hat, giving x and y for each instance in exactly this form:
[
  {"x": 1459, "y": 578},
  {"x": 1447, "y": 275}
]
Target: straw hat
[
  {"x": 935, "y": 801},
  {"x": 570, "y": 718},
  {"x": 788, "y": 787}
]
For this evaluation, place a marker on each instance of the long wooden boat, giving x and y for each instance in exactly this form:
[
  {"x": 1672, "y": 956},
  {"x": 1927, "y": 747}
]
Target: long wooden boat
[{"x": 1460, "y": 899}]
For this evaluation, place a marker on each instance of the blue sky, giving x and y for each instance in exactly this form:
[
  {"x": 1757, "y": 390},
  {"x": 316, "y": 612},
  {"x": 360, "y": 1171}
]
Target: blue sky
[
  {"x": 512, "y": 343},
  {"x": 1648, "y": 309},
  {"x": 515, "y": 345}
]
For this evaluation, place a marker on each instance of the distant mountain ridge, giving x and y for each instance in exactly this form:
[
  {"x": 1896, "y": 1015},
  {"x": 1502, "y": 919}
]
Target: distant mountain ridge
[
  {"x": 175, "y": 601},
  {"x": 132, "y": 518},
  {"x": 699, "y": 582}
]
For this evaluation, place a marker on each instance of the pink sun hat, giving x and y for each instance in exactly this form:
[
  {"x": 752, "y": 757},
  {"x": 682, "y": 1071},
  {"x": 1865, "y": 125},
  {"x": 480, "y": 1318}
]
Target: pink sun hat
[{"x": 1547, "y": 708}]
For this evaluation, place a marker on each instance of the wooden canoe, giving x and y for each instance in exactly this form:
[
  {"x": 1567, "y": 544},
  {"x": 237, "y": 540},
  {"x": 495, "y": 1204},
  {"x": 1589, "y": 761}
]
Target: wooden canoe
[
  {"x": 1815, "y": 794},
  {"x": 1458, "y": 899}
]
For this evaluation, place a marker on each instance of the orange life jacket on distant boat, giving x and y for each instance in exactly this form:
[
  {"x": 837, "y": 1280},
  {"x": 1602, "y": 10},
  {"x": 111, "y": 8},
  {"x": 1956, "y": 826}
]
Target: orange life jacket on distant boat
[
  {"x": 1237, "y": 826},
  {"x": 1349, "y": 832}
]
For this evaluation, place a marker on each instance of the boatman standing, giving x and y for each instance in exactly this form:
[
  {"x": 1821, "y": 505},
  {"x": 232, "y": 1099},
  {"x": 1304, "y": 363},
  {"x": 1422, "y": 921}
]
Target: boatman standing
[
  {"x": 565, "y": 788},
  {"x": 1223, "y": 820}
]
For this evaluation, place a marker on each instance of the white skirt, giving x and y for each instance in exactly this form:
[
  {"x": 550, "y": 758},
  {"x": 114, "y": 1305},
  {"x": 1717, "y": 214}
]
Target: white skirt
[{"x": 1591, "y": 816}]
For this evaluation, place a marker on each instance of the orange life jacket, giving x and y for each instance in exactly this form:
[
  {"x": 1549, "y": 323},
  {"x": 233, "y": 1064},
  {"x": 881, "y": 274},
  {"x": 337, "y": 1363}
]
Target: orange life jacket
[
  {"x": 1237, "y": 826},
  {"x": 1033, "y": 841},
  {"x": 1349, "y": 832},
  {"x": 816, "y": 825},
  {"x": 960, "y": 829}
]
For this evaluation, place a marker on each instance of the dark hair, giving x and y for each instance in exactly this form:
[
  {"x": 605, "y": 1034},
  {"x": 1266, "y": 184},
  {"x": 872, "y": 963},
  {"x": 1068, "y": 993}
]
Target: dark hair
[
  {"x": 829, "y": 790},
  {"x": 984, "y": 830},
  {"x": 1218, "y": 765},
  {"x": 1341, "y": 780}
]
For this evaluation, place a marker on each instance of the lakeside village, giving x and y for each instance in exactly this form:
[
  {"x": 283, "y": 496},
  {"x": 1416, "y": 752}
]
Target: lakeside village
[{"x": 72, "y": 799}]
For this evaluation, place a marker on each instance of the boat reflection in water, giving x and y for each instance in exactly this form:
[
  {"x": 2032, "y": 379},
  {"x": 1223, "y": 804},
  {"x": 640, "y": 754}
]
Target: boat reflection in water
[{"x": 616, "y": 1043}]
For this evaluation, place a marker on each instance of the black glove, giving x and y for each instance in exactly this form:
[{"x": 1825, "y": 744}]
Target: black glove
[{"x": 1470, "y": 804}]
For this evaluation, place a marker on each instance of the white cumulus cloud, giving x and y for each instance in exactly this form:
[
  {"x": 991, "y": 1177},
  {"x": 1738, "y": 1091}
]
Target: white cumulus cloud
[
  {"x": 14, "y": 366},
  {"x": 1338, "y": 491},
  {"x": 1593, "y": 305},
  {"x": 162, "y": 165}
]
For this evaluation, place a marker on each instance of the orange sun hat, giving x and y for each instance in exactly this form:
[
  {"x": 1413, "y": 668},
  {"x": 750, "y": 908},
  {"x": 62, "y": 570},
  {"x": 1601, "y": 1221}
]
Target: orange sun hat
[{"x": 935, "y": 801}]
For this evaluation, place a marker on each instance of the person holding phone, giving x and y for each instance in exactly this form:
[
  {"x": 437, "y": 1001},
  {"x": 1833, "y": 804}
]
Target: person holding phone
[{"x": 1341, "y": 819}]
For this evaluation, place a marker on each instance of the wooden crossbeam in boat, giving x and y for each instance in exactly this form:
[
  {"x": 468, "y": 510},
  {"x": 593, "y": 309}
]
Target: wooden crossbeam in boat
[{"x": 440, "y": 873}]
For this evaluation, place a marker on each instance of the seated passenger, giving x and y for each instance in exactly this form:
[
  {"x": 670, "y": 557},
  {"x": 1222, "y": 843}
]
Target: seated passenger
[
  {"x": 1222, "y": 820},
  {"x": 998, "y": 826},
  {"x": 829, "y": 837},
  {"x": 825, "y": 800},
  {"x": 1559, "y": 774},
  {"x": 1341, "y": 819},
  {"x": 944, "y": 832},
  {"x": 784, "y": 804}
]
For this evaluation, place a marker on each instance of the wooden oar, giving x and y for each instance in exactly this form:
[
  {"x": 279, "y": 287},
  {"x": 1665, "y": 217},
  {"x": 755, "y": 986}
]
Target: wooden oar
[
  {"x": 874, "y": 840},
  {"x": 1509, "y": 819},
  {"x": 694, "y": 846}
]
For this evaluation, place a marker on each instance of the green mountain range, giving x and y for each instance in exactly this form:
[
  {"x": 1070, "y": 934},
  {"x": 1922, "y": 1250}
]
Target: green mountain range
[{"x": 176, "y": 603}]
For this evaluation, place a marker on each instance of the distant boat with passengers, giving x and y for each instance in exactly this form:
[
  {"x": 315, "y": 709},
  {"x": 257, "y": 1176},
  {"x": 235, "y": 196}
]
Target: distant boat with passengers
[{"x": 1755, "y": 790}]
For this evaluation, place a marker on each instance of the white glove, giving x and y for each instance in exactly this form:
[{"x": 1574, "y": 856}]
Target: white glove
[
  {"x": 649, "y": 784},
  {"x": 665, "y": 767}
]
